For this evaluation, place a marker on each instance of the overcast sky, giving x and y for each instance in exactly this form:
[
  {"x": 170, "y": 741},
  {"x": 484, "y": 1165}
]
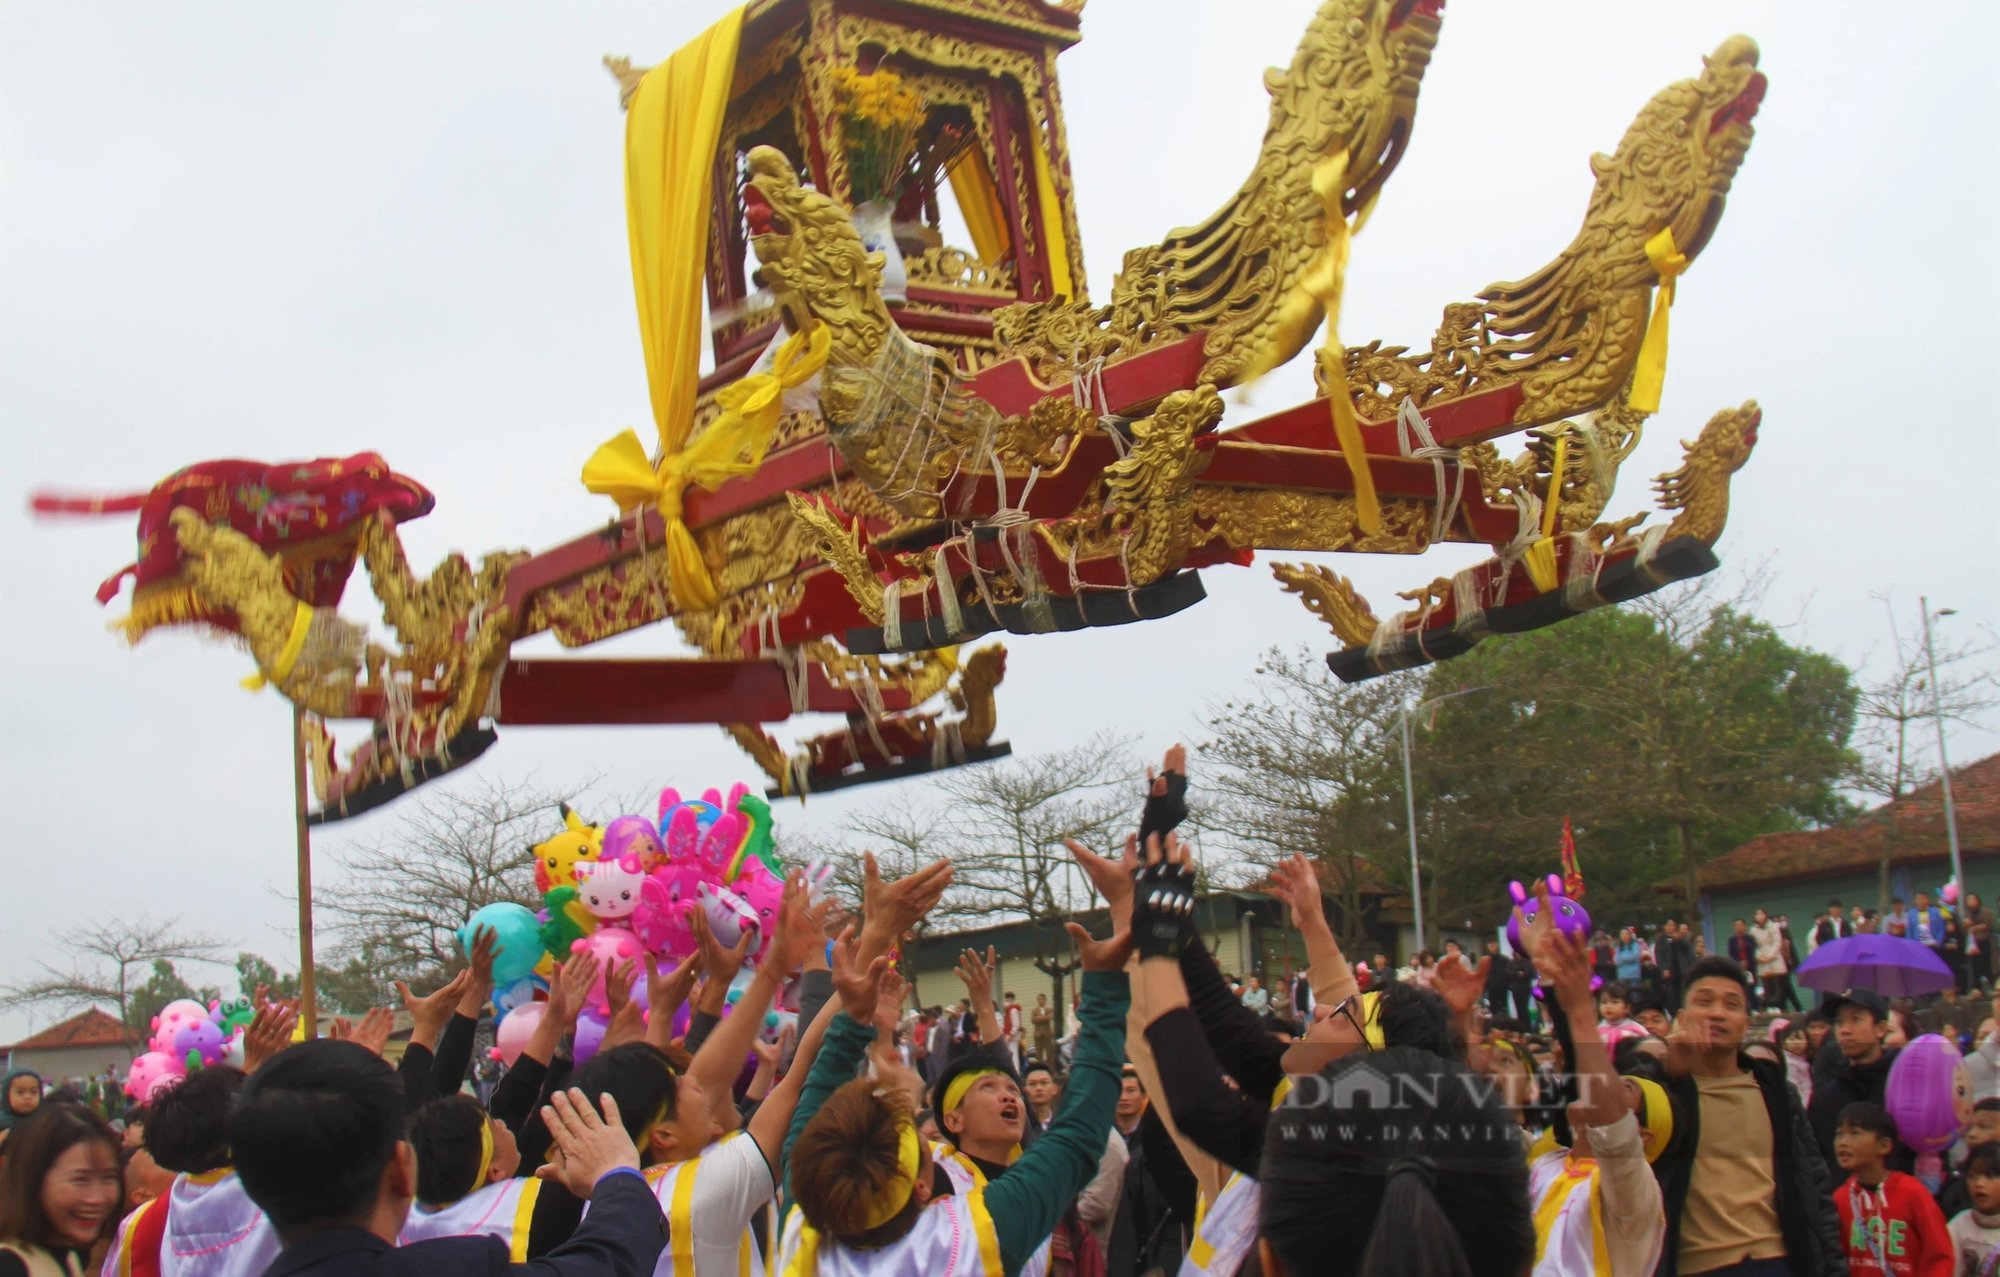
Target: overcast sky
[{"x": 289, "y": 231}]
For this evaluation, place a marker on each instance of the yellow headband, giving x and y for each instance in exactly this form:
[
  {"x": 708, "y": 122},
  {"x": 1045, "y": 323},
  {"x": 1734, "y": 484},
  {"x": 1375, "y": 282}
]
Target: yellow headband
[
  {"x": 954, "y": 1094},
  {"x": 1657, "y": 1118},
  {"x": 1371, "y": 1020},
  {"x": 485, "y": 1154},
  {"x": 896, "y": 1192}
]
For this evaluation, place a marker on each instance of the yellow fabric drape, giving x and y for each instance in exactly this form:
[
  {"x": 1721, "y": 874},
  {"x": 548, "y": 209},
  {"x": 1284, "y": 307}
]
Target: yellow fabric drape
[
  {"x": 1326, "y": 282},
  {"x": 1541, "y": 556},
  {"x": 671, "y": 131},
  {"x": 734, "y": 444},
  {"x": 979, "y": 203},
  {"x": 1650, "y": 376},
  {"x": 1052, "y": 224}
]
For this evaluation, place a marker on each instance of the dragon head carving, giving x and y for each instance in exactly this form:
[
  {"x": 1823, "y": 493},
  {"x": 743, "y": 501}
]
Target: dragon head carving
[
  {"x": 1353, "y": 84},
  {"x": 811, "y": 259},
  {"x": 1699, "y": 489},
  {"x": 1675, "y": 163}
]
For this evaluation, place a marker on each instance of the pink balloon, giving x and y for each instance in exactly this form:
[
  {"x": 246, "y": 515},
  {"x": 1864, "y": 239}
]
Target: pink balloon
[
  {"x": 152, "y": 1073},
  {"x": 517, "y": 1028},
  {"x": 611, "y": 946}
]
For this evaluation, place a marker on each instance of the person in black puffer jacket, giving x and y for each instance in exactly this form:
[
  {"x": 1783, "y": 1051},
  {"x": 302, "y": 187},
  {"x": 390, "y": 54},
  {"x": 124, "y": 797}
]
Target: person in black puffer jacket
[{"x": 1744, "y": 1185}]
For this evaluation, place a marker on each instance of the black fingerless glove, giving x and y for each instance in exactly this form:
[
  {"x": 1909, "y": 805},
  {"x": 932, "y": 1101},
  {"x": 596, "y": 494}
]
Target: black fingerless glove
[
  {"x": 1164, "y": 812},
  {"x": 1163, "y": 910}
]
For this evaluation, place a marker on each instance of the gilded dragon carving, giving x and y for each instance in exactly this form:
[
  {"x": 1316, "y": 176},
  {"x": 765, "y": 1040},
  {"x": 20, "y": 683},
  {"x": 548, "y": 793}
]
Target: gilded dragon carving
[
  {"x": 1332, "y": 598},
  {"x": 1243, "y": 274},
  {"x": 1569, "y": 334}
]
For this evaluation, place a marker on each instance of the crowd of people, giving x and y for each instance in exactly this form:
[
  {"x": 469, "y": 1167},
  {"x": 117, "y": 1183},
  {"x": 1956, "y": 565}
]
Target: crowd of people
[{"x": 1352, "y": 1120}]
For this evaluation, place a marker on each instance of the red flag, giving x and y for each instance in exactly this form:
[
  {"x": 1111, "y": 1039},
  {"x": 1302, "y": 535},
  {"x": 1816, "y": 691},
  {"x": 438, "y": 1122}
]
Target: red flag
[{"x": 1572, "y": 876}]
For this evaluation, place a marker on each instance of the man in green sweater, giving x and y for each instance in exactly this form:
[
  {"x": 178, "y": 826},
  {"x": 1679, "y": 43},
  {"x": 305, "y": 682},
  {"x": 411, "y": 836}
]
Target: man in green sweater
[{"x": 869, "y": 1200}]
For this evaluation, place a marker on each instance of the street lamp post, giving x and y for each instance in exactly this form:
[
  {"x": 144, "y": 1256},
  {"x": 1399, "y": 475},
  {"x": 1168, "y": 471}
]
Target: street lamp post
[
  {"x": 1410, "y": 805},
  {"x": 1944, "y": 763}
]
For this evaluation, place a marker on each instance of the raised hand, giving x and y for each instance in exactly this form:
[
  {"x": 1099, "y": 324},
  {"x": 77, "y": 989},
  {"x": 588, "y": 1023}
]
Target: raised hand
[
  {"x": 587, "y": 1147},
  {"x": 270, "y": 1032},
  {"x": 890, "y": 909},
  {"x": 429, "y": 1014},
  {"x": 1295, "y": 881},
  {"x": 1163, "y": 899},
  {"x": 571, "y": 989},
  {"x": 669, "y": 989},
  {"x": 1101, "y": 955},
  {"x": 720, "y": 964},
  {"x": 1461, "y": 984},
  {"x": 976, "y": 973},
  {"x": 628, "y": 1024},
  {"x": 889, "y": 1003},
  {"x": 794, "y": 934},
  {"x": 479, "y": 989},
  {"x": 1112, "y": 878},
  {"x": 618, "y": 987},
  {"x": 859, "y": 986},
  {"x": 372, "y": 1032}
]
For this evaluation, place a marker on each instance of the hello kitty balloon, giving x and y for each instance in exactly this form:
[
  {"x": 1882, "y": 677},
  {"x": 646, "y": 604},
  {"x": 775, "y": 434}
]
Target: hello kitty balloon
[{"x": 610, "y": 888}]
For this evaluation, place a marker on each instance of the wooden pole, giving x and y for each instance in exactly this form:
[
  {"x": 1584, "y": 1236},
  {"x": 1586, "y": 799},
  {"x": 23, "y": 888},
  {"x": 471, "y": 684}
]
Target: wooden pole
[{"x": 308, "y": 998}]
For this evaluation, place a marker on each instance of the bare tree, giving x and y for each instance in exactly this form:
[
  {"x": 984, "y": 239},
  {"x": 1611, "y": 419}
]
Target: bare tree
[
  {"x": 401, "y": 897},
  {"x": 1893, "y": 762},
  {"x": 109, "y": 959},
  {"x": 1306, "y": 764},
  {"x": 1003, "y": 826}
]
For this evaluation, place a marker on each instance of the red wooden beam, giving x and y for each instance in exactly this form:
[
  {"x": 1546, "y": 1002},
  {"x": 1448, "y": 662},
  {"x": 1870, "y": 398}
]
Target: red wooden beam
[{"x": 566, "y": 692}]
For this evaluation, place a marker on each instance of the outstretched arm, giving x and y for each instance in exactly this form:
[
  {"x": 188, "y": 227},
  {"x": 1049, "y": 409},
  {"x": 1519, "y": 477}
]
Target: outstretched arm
[{"x": 1029, "y": 1200}]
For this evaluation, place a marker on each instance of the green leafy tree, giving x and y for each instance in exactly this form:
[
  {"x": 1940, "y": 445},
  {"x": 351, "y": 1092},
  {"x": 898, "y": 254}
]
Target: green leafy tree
[
  {"x": 1670, "y": 730},
  {"x": 253, "y": 972}
]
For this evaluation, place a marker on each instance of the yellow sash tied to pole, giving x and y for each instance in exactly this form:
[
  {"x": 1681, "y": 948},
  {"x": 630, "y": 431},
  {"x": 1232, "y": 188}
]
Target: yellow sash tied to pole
[
  {"x": 672, "y": 128},
  {"x": 1651, "y": 373},
  {"x": 295, "y": 646},
  {"x": 1326, "y": 283},
  {"x": 734, "y": 444}
]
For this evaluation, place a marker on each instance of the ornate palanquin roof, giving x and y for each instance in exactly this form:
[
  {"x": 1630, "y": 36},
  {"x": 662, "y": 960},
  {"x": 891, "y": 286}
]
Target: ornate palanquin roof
[{"x": 1056, "y": 22}]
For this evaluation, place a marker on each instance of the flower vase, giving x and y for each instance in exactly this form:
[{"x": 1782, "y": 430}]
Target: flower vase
[{"x": 872, "y": 223}]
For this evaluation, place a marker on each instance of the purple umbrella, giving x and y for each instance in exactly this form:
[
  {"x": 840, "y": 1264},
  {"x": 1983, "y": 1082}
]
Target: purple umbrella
[{"x": 1890, "y": 965}]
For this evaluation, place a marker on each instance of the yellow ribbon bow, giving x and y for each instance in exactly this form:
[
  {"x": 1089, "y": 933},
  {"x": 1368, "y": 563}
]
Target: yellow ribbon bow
[
  {"x": 734, "y": 444},
  {"x": 1651, "y": 373}
]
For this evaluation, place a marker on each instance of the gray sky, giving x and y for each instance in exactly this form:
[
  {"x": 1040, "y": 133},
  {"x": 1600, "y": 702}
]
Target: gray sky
[{"x": 292, "y": 231}]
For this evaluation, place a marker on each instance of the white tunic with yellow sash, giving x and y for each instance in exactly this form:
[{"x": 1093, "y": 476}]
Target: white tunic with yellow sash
[
  {"x": 709, "y": 1202},
  {"x": 215, "y": 1230},
  {"x": 953, "y": 1237},
  {"x": 505, "y": 1210},
  {"x": 1224, "y": 1231}
]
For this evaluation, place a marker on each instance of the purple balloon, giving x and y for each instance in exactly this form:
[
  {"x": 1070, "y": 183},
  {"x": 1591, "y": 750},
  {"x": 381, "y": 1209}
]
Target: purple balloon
[
  {"x": 589, "y": 1036},
  {"x": 1929, "y": 1094}
]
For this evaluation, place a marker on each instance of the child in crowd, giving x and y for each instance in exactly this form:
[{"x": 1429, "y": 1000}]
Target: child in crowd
[
  {"x": 1614, "y": 1016},
  {"x": 1975, "y": 1231},
  {"x": 1889, "y": 1225},
  {"x": 1954, "y": 1195}
]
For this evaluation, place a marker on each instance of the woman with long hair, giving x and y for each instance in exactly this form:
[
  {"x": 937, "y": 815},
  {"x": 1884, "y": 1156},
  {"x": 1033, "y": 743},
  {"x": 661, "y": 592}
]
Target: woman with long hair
[
  {"x": 59, "y": 1191},
  {"x": 1398, "y": 1162}
]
